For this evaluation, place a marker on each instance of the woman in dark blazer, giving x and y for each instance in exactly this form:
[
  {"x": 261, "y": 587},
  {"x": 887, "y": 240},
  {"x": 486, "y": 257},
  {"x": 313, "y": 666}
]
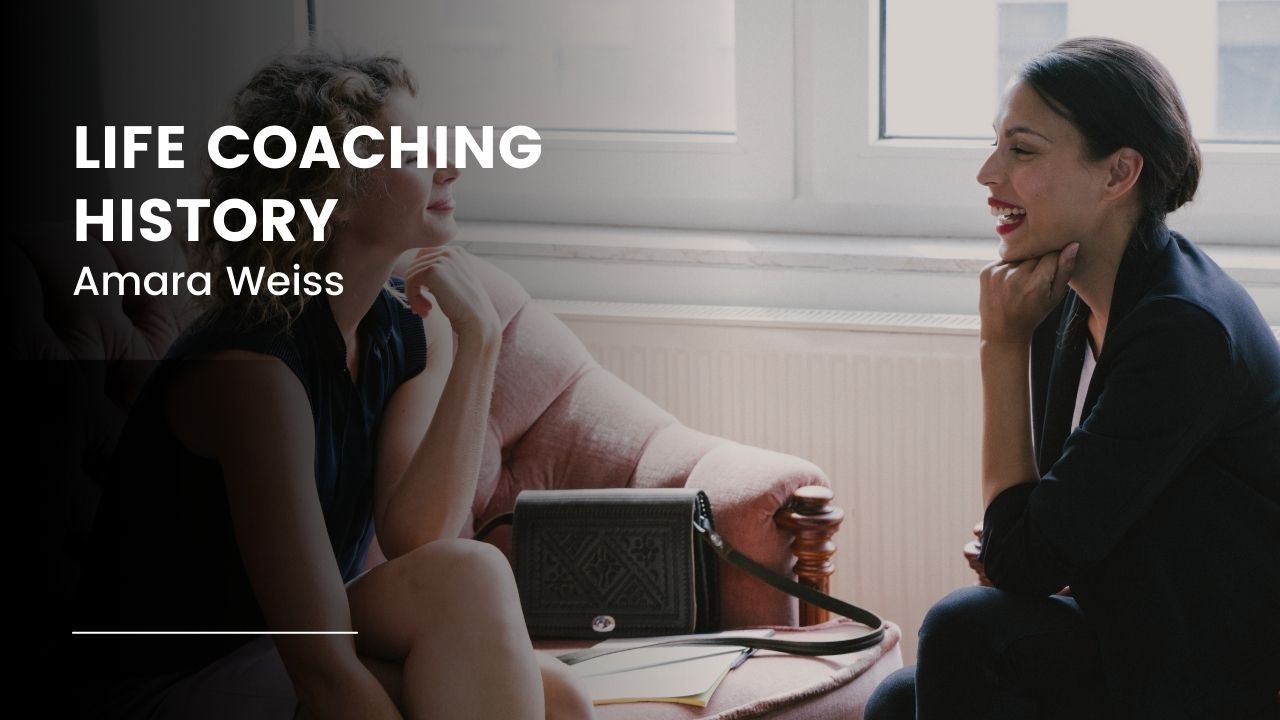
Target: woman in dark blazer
[{"x": 1138, "y": 462}]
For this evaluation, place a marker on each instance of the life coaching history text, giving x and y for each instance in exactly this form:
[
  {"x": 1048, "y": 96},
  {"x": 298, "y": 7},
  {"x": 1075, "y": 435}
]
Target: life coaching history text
[{"x": 237, "y": 220}]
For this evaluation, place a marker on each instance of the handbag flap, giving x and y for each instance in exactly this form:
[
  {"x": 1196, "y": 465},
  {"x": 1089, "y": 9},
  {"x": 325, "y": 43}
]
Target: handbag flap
[{"x": 608, "y": 563}]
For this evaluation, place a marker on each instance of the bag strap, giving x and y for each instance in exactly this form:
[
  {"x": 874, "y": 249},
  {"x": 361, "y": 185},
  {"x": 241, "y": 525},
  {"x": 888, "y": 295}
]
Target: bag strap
[
  {"x": 493, "y": 523},
  {"x": 787, "y": 585},
  {"x": 702, "y": 526}
]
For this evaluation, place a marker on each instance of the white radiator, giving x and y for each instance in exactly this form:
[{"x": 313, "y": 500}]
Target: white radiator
[{"x": 887, "y": 404}]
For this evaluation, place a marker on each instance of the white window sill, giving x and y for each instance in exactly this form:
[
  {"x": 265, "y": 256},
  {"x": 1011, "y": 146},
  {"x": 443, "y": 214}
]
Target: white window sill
[{"x": 611, "y": 264}]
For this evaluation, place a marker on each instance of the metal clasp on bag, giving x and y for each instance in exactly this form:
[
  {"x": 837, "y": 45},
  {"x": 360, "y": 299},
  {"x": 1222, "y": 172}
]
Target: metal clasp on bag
[{"x": 702, "y": 524}]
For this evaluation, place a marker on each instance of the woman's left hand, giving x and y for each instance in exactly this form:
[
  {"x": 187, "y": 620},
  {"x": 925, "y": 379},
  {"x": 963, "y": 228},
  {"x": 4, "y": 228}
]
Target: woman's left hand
[{"x": 1015, "y": 297}]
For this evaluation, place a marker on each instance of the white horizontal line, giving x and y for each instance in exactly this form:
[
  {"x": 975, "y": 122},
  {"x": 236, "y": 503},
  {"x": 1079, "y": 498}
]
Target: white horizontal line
[{"x": 214, "y": 632}]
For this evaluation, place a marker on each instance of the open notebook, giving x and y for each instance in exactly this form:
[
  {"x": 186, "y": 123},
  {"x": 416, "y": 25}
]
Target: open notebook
[{"x": 688, "y": 675}]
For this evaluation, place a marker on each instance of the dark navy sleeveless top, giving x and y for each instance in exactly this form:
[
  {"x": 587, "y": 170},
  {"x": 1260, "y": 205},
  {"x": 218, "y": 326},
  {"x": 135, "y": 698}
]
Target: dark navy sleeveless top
[{"x": 164, "y": 553}]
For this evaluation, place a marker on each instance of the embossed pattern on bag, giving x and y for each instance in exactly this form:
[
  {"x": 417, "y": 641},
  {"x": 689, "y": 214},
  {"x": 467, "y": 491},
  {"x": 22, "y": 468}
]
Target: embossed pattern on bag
[
  {"x": 606, "y": 568},
  {"x": 591, "y": 564}
]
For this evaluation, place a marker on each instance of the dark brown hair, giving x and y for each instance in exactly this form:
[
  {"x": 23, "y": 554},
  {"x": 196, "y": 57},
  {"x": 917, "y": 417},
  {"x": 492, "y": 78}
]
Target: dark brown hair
[{"x": 1117, "y": 95}]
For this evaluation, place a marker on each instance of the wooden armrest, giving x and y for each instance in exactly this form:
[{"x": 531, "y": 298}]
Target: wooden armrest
[{"x": 812, "y": 520}]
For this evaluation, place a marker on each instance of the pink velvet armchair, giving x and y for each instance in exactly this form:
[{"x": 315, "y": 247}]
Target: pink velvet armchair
[{"x": 558, "y": 420}]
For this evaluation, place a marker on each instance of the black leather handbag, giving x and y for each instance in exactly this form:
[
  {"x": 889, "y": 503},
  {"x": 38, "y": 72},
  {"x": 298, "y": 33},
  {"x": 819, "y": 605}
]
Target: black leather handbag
[{"x": 595, "y": 564}]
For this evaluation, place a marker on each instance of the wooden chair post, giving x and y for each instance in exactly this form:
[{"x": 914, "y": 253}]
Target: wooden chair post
[{"x": 812, "y": 521}]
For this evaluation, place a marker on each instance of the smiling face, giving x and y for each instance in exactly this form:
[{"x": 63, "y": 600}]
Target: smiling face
[
  {"x": 1045, "y": 192},
  {"x": 405, "y": 207}
]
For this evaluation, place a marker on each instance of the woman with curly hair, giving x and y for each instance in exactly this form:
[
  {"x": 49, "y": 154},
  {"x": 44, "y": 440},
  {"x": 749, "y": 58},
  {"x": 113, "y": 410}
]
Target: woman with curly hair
[{"x": 280, "y": 434}]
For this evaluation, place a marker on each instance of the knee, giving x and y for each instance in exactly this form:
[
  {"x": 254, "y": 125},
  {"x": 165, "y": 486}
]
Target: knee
[
  {"x": 471, "y": 571},
  {"x": 481, "y": 558},
  {"x": 894, "y": 698},
  {"x": 965, "y": 614}
]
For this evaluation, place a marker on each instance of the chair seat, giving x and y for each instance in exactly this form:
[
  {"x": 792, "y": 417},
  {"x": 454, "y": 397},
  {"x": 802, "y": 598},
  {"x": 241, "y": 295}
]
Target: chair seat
[{"x": 778, "y": 685}]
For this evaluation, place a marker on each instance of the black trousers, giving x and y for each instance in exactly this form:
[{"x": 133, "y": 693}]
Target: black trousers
[{"x": 988, "y": 654}]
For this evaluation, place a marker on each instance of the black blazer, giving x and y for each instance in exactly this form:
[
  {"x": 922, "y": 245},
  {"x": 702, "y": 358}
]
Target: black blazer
[{"x": 1162, "y": 509}]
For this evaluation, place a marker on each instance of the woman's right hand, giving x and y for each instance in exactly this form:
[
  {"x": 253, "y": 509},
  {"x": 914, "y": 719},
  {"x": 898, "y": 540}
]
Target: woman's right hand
[
  {"x": 1016, "y": 297},
  {"x": 447, "y": 275}
]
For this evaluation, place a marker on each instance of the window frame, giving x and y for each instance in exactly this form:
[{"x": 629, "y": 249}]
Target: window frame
[
  {"x": 1231, "y": 206},
  {"x": 581, "y": 173},
  {"x": 806, "y": 158}
]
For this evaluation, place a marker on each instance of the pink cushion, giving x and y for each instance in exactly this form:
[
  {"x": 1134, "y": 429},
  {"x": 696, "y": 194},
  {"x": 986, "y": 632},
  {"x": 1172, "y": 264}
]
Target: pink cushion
[{"x": 776, "y": 685}]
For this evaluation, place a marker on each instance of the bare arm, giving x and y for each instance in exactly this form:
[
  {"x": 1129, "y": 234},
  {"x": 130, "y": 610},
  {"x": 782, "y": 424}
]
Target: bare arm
[
  {"x": 433, "y": 432},
  {"x": 1007, "y": 455},
  {"x": 1014, "y": 299},
  {"x": 250, "y": 413}
]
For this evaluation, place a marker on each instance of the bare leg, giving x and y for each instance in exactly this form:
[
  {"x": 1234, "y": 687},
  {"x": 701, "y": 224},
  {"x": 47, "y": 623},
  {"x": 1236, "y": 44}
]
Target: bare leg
[
  {"x": 448, "y": 612},
  {"x": 565, "y": 700},
  {"x": 390, "y": 674}
]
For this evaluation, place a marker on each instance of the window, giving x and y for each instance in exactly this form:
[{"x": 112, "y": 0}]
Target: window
[
  {"x": 850, "y": 117},
  {"x": 1023, "y": 30},
  {"x": 923, "y": 183},
  {"x": 1249, "y": 70},
  {"x": 642, "y": 106},
  {"x": 662, "y": 66},
  {"x": 957, "y": 56},
  {"x": 1223, "y": 54}
]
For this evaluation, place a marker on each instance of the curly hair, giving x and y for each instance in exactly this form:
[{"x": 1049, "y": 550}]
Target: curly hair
[{"x": 296, "y": 92}]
